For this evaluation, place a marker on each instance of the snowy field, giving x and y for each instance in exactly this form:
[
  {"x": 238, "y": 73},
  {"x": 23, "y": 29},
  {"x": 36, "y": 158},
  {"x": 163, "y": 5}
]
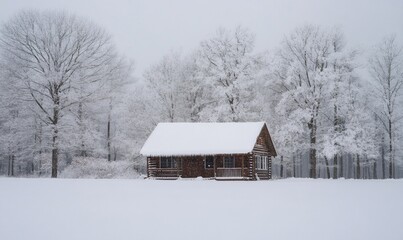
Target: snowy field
[{"x": 190, "y": 209}]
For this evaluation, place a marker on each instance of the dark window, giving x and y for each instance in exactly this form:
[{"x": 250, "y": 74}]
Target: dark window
[
  {"x": 168, "y": 162},
  {"x": 209, "y": 163},
  {"x": 229, "y": 162}
]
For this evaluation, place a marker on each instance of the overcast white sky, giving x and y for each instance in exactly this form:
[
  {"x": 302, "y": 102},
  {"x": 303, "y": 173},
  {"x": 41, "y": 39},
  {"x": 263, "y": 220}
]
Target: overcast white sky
[{"x": 146, "y": 30}]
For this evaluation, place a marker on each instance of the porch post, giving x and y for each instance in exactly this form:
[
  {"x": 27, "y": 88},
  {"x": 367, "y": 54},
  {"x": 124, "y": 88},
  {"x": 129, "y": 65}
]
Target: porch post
[
  {"x": 148, "y": 168},
  {"x": 177, "y": 165},
  {"x": 215, "y": 167},
  {"x": 243, "y": 160},
  {"x": 251, "y": 172}
]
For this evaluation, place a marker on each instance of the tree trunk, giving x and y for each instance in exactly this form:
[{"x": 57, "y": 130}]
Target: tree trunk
[
  {"x": 375, "y": 174},
  {"x": 367, "y": 171},
  {"x": 391, "y": 167},
  {"x": 319, "y": 170},
  {"x": 115, "y": 154},
  {"x": 11, "y": 158},
  {"x": 336, "y": 128},
  {"x": 231, "y": 102},
  {"x": 358, "y": 167},
  {"x": 40, "y": 149},
  {"x": 108, "y": 136},
  {"x": 300, "y": 164},
  {"x": 312, "y": 151},
  {"x": 281, "y": 167},
  {"x": 55, "y": 153},
  {"x": 335, "y": 164},
  {"x": 383, "y": 159},
  {"x": 172, "y": 110},
  {"x": 327, "y": 168},
  {"x": 12, "y": 164},
  {"x": 83, "y": 152},
  {"x": 9, "y": 165},
  {"x": 341, "y": 174},
  {"x": 293, "y": 166},
  {"x": 55, "y": 145}
]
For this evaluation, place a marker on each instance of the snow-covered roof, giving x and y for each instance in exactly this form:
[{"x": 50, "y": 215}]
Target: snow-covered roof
[{"x": 187, "y": 139}]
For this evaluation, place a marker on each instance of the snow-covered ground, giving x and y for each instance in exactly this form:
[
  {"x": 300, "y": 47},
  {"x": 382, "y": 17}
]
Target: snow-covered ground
[{"x": 149, "y": 209}]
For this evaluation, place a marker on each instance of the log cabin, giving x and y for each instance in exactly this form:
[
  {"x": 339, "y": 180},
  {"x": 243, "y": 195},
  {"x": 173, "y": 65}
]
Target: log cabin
[{"x": 226, "y": 151}]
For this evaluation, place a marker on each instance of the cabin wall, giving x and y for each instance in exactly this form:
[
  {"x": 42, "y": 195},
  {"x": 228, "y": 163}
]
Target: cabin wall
[
  {"x": 154, "y": 169},
  {"x": 194, "y": 166}
]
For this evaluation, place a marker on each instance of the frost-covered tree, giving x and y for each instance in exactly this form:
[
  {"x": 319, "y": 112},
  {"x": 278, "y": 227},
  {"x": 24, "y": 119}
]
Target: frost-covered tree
[
  {"x": 165, "y": 80},
  {"x": 19, "y": 139},
  {"x": 113, "y": 95},
  {"x": 344, "y": 97},
  {"x": 301, "y": 74},
  {"x": 178, "y": 87},
  {"x": 386, "y": 68},
  {"x": 197, "y": 92},
  {"x": 314, "y": 82},
  {"x": 59, "y": 59},
  {"x": 231, "y": 69}
]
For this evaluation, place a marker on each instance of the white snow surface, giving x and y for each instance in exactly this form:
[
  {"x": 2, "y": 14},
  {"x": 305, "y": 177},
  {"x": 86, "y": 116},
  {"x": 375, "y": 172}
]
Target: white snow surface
[
  {"x": 188, "y": 139},
  {"x": 66, "y": 209}
]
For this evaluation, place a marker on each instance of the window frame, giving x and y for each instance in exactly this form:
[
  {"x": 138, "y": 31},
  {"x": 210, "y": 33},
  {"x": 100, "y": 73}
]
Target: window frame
[
  {"x": 233, "y": 161},
  {"x": 171, "y": 160},
  {"x": 261, "y": 162},
  {"x": 258, "y": 162}
]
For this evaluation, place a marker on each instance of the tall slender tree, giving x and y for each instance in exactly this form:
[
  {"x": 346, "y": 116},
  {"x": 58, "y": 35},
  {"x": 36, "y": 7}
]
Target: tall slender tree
[
  {"x": 300, "y": 77},
  {"x": 386, "y": 67}
]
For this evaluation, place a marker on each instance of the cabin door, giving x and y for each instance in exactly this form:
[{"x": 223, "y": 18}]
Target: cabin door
[{"x": 191, "y": 167}]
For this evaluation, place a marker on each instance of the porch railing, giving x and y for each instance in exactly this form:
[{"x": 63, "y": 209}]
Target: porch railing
[
  {"x": 229, "y": 172},
  {"x": 165, "y": 172}
]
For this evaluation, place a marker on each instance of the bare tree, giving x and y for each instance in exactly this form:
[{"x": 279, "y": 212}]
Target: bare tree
[
  {"x": 386, "y": 67},
  {"x": 165, "y": 80},
  {"x": 55, "y": 55},
  {"x": 119, "y": 78}
]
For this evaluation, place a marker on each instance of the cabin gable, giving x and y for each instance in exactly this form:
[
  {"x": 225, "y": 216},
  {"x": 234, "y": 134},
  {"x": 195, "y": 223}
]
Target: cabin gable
[
  {"x": 264, "y": 144},
  {"x": 262, "y": 153}
]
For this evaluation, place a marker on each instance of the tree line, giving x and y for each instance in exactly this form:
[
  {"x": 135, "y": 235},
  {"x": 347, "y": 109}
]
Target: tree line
[{"x": 66, "y": 92}]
